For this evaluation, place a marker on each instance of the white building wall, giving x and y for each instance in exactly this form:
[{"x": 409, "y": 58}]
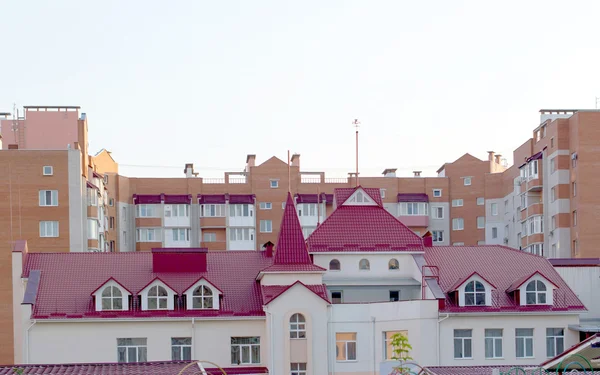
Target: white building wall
[
  {"x": 508, "y": 323},
  {"x": 77, "y": 203},
  {"x": 126, "y": 226},
  {"x": 440, "y": 224},
  {"x": 379, "y": 266},
  {"x": 494, "y": 221},
  {"x": 585, "y": 282}
]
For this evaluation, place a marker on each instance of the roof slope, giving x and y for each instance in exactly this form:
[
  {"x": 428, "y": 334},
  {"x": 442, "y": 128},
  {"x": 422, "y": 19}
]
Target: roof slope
[
  {"x": 270, "y": 292},
  {"x": 342, "y": 194},
  {"x": 362, "y": 228},
  {"x": 139, "y": 368},
  {"x": 502, "y": 266},
  {"x": 68, "y": 279}
]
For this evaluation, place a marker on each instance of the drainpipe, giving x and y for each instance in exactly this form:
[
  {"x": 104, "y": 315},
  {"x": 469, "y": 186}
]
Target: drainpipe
[
  {"x": 27, "y": 342},
  {"x": 331, "y": 357},
  {"x": 439, "y": 360},
  {"x": 193, "y": 338},
  {"x": 271, "y": 345},
  {"x": 374, "y": 351}
]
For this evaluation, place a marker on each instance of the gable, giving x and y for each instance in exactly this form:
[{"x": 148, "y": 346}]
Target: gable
[
  {"x": 295, "y": 290},
  {"x": 205, "y": 282},
  {"x": 359, "y": 198},
  {"x": 273, "y": 161}
]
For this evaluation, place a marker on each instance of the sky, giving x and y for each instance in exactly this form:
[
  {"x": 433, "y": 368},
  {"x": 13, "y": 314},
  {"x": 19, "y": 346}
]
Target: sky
[{"x": 208, "y": 82}]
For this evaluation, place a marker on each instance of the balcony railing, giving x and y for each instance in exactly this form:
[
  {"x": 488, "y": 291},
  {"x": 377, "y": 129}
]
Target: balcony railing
[
  {"x": 237, "y": 180},
  {"x": 336, "y": 180},
  {"x": 213, "y": 180},
  {"x": 310, "y": 180}
]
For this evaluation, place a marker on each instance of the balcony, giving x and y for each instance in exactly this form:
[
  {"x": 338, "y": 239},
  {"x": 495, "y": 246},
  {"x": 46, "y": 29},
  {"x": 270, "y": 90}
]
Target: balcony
[
  {"x": 414, "y": 220},
  {"x": 214, "y": 245},
  {"x": 212, "y": 222}
]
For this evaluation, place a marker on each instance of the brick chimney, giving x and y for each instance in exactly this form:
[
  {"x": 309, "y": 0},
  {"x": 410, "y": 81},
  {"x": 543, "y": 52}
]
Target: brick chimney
[
  {"x": 417, "y": 173},
  {"x": 295, "y": 160},
  {"x": 427, "y": 239},
  {"x": 498, "y": 158},
  {"x": 490, "y": 155},
  {"x": 179, "y": 260},
  {"x": 269, "y": 249},
  {"x": 189, "y": 170}
]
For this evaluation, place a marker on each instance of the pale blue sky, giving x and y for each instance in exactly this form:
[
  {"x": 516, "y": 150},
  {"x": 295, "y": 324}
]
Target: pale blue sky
[{"x": 165, "y": 83}]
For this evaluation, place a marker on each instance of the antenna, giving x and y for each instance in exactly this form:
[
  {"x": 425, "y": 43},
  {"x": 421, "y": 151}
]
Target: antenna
[
  {"x": 356, "y": 124},
  {"x": 597, "y": 101},
  {"x": 289, "y": 174}
]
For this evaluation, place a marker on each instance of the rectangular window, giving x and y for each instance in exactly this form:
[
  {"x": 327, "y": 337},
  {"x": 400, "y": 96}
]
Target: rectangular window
[
  {"x": 48, "y": 170},
  {"x": 437, "y": 212},
  {"x": 387, "y": 344},
  {"x": 458, "y": 244},
  {"x": 575, "y": 218},
  {"x": 524, "y": 342},
  {"x": 111, "y": 221},
  {"x": 48, "y": 197},
  {"x": 266, "y": 226},
  {"x": 394, "y": 295},
  {"x": 463, "y": 344},
  {"x": 480, "y": 201},
  {"x": 552, "y": 165},
  {"x": 552, "y": 142},
  {"x": 553, "y": 194},
  {"x": 146, "y": 210},
  {"x": 574, "y": 159},
  {"x": 111, "y": 202},
  {"x": 210, "y": 237},
  {"x": 493, "y": 343},
  {"x": 413, "y": 209},
  {"x": 307, "y": 209},
  {"x": 245, "y": 350},
  {"x": 148, "y": 235},
  {"x": 274, "y": 184},
  {"x": 92, "y": 229},
  {"x": 494, "y": 209},
  {"x": 298, "y": 368},
  {"x": 574, "y": 188},
  {"x": 537, "y": 249},
  {"x": 555, "y": 341},
  {"x": 266, "y": 205},
  {"x": 48, "y": 228},
  {"x": 458, "y": 224},
  {"x": 240, "y": 210},
  {"x": 181, "y": 234},
  {"x": 457, "y": 203},
  {"x": 535, "y": 224},
  {"x": 575, "y": 249},
  {"x": 437, "y": 193},
  {"x": 382, "y": 193},
  {"x": 438, "y": 235},
  {"x": 132, "y": 350},
  {"x": 506, "y": 234},
  {"x": 177, "y": 210},
  {"x": 241, "y": 234},
  {"x": 212, "y": 210},
  {"x": 553, "y": 222},
  {"x": 467, "y": 181},
  {"x": 494, "y": 232},
  {"x": 345, "y": 346},
  {"x": 336, "y": 297},
  {"x": 92, "y": 197},
  {"x": 480, "y": 222},
  {"x": 181, "y": 348}
]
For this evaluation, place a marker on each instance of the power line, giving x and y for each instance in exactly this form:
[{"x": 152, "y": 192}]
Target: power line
[{"x": 308, "y": 170}]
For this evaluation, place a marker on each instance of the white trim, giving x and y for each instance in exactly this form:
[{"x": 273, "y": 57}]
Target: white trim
[
  {"x": 359, "y": 198},
  {"x": 124, "y": 296},
  {"x": 215, "y": 295},
  {"x": 170, "y": 296},
  {"x": 368, "y": 252},
  {"x": 166, "y": 319}
]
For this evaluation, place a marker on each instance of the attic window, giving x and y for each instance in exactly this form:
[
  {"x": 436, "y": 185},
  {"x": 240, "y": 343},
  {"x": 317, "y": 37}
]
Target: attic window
[
  {"x": 536, "y": 293},
  {"x": 158, "y": 298},
  {"x": 202, "y": 298},
  {"x": 334, "y": 265},
  {"x": 112, "y": 298},
  {"x": 474, "y": 294},
  {"x": 393, "y": 264},
  {"x": 364, "y": 265}
]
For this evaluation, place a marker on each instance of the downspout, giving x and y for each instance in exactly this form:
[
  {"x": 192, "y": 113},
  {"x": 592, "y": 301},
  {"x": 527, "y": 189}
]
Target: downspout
[
  {"x": 330, "y": 340},
  {"x": 271, "y": 345},
  {"x": 439, "y": 360},
  {"x": 374, "y": 351},
  {"x": 27, "y": 342},
  {"x": 193, "y": 338}
]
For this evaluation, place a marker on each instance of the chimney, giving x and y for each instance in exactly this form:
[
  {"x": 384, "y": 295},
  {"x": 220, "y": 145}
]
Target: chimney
[
  {"x": 250, "y": 160},
  {"x": 189, "y": 170},
  {"x": 13, "y": 147},
  {"x": 390, "y": 172},
  {"x": 417, "y": 173},
  {"x": 295, "y": 160},
  {"x": 498, "y": 158},
  {"x": 269, "y": 249},
  {"x": 490, "y": 155},
  {"x": 179, "y": 260},
  {"x": 427, "y": 239}
]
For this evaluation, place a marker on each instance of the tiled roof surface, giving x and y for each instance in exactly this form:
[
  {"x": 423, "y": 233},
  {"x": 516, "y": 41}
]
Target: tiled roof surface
[
  {"x": 142, "y": 368},
  {"x": 342, "y": 194},
  {"x": 290, "y": 247},
  {"x": 363, "y": 228},
  {"x": 270, "y": 292},
  {"x": 294, "y": 268},
  {"x": 575, "y": 262},
  {"x": 68, "y": 279},
  {"x": 501, "y": 266},
  {"x": 467, "y": 370}
]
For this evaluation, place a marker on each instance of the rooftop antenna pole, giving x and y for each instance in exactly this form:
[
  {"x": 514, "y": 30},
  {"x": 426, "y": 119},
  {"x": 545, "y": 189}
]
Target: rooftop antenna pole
[
  {"x": 15, "y": 122},
  {"x": 289, "y": 175},
  {"x": 356, "y": 124},
  {"x": 597, "y": 101}
]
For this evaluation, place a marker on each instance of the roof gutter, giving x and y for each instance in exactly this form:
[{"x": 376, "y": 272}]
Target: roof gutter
[
  {"x": 27, "y": 341},
  {"x": 571, "y": 312},
  {"x": 170, "y": 319}
]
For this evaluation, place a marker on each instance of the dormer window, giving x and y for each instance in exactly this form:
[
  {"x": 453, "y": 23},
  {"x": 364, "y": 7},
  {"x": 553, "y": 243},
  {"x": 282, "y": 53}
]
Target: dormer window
[
  {"x": 359, "y": 198},
  {"x": 474, "y": 294},
  {"x": 202, "y": 295},
  {"x": 535, "y": 293},
  {"x": 535, "y": 289},
  {"x": 112, "y": 298},
  {"x": 158, "y": 298},
  {"x": 202, "y": 298}
]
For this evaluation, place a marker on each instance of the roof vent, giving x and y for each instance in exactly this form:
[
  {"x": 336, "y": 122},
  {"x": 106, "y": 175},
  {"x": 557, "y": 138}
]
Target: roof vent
[
  {"x": 417, "y": 173},
  {"x": 389, "y": 172}
]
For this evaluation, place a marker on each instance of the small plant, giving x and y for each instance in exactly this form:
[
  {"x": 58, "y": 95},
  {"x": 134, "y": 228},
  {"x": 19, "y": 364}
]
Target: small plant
[
  {"x": 18, "y": 371},
  {"x": 401, "y": 349}
]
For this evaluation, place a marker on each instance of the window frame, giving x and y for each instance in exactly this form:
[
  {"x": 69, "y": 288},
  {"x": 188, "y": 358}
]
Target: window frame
[
  {"x": 463, "y": 341},
  {"x": 204, "y": 300},
  {"x": 51, "y": 171},
  {"x": 458, "y": 202},
  {"x": 393, "y": 265},
  {"x": 458, "y": 220},
  {"x": 265, "y": 205},
  {"x": 475, "y": 293},
  {"x": 274, "y": 183},
  {"x": 554, "y": 339},
  {"x": 181, "y": 347},
  {"x": 467, "y": 179},
  {"x": 112, "y": 298},
  {"x": 334, "y": 299},
  {"x": 494, "y": 342},
  {"x": 43, "y": 198},
  {"x": 524, "y": 338},
  {"x": 494, "y": 208},
  {"x": 45, "y": 224},
  {"x": 413, "y": 209},
  {"x": 212, "y": 237},
  {"x": 157, "y": 298},
  {"x": 298, "y": 368},
  {"x": 346, "y": 343},
  {"x": 364, "y": 265},
  {"x": 388, "y": 348},
  {"x": 537, "y": 293},
  {"x": 437, "y": 235},
  {"x": 480, "y": 222},
  {"x": 480, "y": 201},
  {"x": 240, "y": 346},
  {"x": 435, "y": 210},
  {"x": 138, "y": 347},
  {"x": 334, "y": 262},
  {"x": 437, "y": 193},
  {"x": 297, "y": 326},
  {"x": 265, "y": 229},
  {"x": 214, "y": 209}
]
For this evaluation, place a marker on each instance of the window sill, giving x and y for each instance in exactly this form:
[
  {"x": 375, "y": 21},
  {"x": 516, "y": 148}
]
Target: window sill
[
  {"x": 494, "y": 358},
  {"x": 347, "y": 361},
  {"x": 465, "y": 359}
]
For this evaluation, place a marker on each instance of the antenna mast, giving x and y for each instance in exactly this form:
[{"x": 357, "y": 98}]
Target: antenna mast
[
  {"x": 597, "y": 101},
  {"x": 289, "y": 174},
  {"x": 356, "y": 124}
]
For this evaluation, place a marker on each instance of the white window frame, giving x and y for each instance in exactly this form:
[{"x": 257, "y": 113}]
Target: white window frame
[
  {"x": 46, "y": 171},
  {"x": 45, "y": 226},
  {"x": 467, "y": 181},
  {"x": 182, "y": 348},
  {"x": 477, "y": 294},
  {"x": 180, "y": 234},
  {"x": 437, "y": 193},
  {"x": 203, "y": 298},
  {"x": 43, "y": 198},
  {"x": 481, "y": 201},
  {"x": 241, "y": 210},
  {"x": 413, "y": 209},
  {"x": 241, "y": 347},
  {"x": 143, "y": 235},
  {"x": 177, "y": 210},
  {"x": 556, "y": 340},
  {"x": 524, "y": 339},
  {"x": 388, "y": 349},
  {"x": 464, "y": 342},
  {"x": 552, "y": 165},
  {"x": 438, "y": 236},
  {"x": 307, "y": 209},
  {"x": 266, "y": 226},
  {"x": 266, "y": 205},
  {"x": 93, "y": 229},
  {"x": 457, "y": 202},
  {"x": 540, "y": 295},
  {"x": 209, "y": 237},
  {"x": 494, "y": 209},
  {"x": 297, "y": 326},
  {"x": 146, "y": 210},
  {"x": 480, "y": 222},
  {"x": 212, "y": 210},
  {"x": 140, "y": 350},
  {"x": 241, "y": 234},
  {"x": 159, "y": 299},
  {"x": 435, "y": 210},
  {"x": 458, "y": 223},
  {"x": 495, "y": 342},
  {"x": 342, "y": 343},
  {"x": 274, "y": 183},
  {"x": 111, "y": 298},
  {"x": 382, "y": 193},
  {"x": 298, "y": 368},
  {"x": 494, "y": 232}
]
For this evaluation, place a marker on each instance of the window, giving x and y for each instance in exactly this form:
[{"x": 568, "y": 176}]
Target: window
[
  {"x": 345, "y": 346},
  {"x": 177, "y": 210},
  {"x": 394, "y": 295},
  {"x": 241, "y": 234},
  {"x": 307, "y": 209},
  {"x": 298, "y": 368},
  {"x": 457, "y": 203},
  {"x": 202, "y": 298},
  {"x": 438, "y": 212},
  {"x": 148, "y": 235},
  {"x": 92, "y": 229},
  {"x": 181, "y": 234},
  {"x": 157, "y": 298},
  {"x": 334, "y": 265},
  {"x": 111, "y": 202},
  {"x": 382, "y": 193},
  {"x": 536, "y": 248},
  {"x": 132, "y": 350},
  {"x": 494, "y": 209},
  {"x": 438, "y": 235},
  {"x": 274, "y": 184},
  {"x": 364, "y": 264},
  {"x": 552, "y": 165},
  {"x": 575, "y": 249},
  {"x": 553, "y": 194},
  {"x": 553, "y": 222},
  {"x": 532, "y": 169},
  {"x": 210, "y": 237},
  {"x": 555, "y": 341},
  {"x": 283, "y": 205},
  {"x": 574, "y": 159},
  {"x": 413, "y": 209},
  {"x": 297, "y": 326},
  {"x": 467, "y": 181},
  {"x": 458, "y": 244},
  {"x": 266, "y": 205},
  {"x": 393, "y": 264},
  {"x": 474, "y": 294},
  {"x": 48, "y": 197},
  {"x": 574, "y": 188},
  {"x": 111, "y": 221},
  {"x": 47, "y": 170},
  {"x": 462, "y": 343},
  {"x": 493, "y": 343},
  {"x": 240, "y": 210},
  {"x": 212, "y": 210},
  {"x": 524, "y": 342},
  {"x": 458, "y": 224},
  {"x": 245, "y": 350},
  {"x": 181, "y": 348},
  {"x": 307, "y": 231},
  {"x": 552, "y": 142},
  {"x": 92, "y": 197},
  {"x": 535, "y": 293},
  {"x": 112, "y": 298},
  {"x": 480, "y": 201},
  {"x": 480, "y": 222},
  {"x": 48, "y": 228},
  {"x": 336, "y": 297},
  {"x": 388, "y": 338},
  {"x": 437, "y": 193},
  {"x": 535, "y": 224},
  {"x": 146, "y": 210},
  {"x": 494, "y": 232},
  {"x": 575, "y": 218},
  {"x": 266, "y": 226}
]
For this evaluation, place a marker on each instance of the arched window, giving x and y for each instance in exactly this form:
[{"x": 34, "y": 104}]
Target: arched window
[
  {"x": 202, "y": 298},
  {"x": 112, "y": 298},
  {"x": 334, "y": 265},
  {"x": 297, "y": 327},
  {"x": 474, "y": 294},
  {"x": 157, "y": 298},
  {"x": 536, "y": 293},
  {"x": 364, "y": 264},
  {"x": 393, "y": 264}
]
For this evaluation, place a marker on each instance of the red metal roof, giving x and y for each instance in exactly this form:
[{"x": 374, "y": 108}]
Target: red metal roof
[
  {"x": 270, "y": 292},
  {"x": 362, "y": 228},
  {"x": 575, "y": 262},
  {"x": 517, "y": 283},
  {"x": 464, "y": 279},
  {"x": 141, "y": 368},
  {"x": 68, "y": 279},
  {"x": 501, "y": 266},
  {"x": 342, "y": 194}
]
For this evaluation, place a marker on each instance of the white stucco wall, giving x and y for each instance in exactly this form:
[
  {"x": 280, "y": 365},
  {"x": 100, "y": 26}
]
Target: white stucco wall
[
  {"x": 379, "y": 266},
  {"x": 585, "y": 282},
  {"x": 77, "y": 203},
  {"x": 290, "y": 278}
]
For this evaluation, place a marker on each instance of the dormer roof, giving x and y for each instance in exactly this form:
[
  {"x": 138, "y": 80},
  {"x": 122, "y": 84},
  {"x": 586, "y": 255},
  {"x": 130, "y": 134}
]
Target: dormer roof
[
  {"x": 271, "y": 292},
  {"x": 464, "y": 280},
  {"x": 342, "y": 195},
  {"x": 522, "y": 280},
  {"x": 109, "y": 280},
  {"x": 189, "y": 289},
  {"x": 155, "y": 280}
]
